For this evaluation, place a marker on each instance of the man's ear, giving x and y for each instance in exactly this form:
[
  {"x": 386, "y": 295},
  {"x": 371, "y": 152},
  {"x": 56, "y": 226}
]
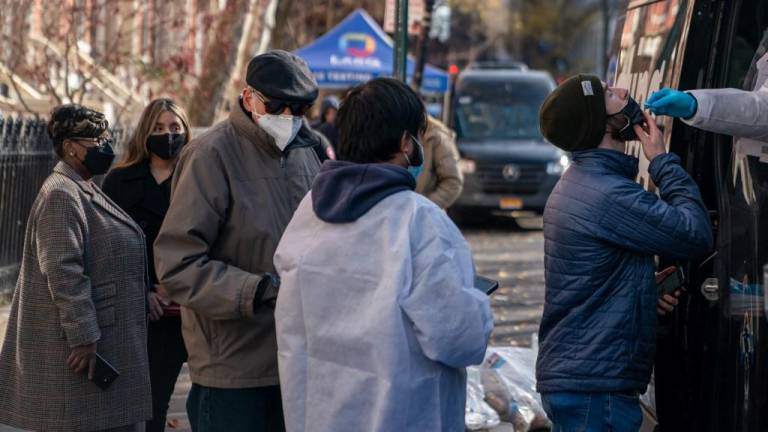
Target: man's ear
[
  {"x": 247, "y": 99},
  {"x": 405, "y": 144}
]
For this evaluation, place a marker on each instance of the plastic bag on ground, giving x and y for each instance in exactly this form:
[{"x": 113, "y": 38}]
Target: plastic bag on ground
[
  {"x": 478, "y": 414},
  {"x": 509, "y": 379}
]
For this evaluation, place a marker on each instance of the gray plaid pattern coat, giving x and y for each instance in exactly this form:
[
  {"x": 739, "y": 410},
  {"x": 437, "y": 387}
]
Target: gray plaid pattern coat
[{"x": 83, "y": 280}]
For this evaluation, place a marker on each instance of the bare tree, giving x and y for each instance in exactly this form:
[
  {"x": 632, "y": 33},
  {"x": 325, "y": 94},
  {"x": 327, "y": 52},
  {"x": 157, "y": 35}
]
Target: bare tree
[
  {"x": 552, "y": 32},
  {"x": 256, "y": 38},
  {"x": 219, "y": 59},
  {"x": 122, "y": 52},
  {"x": 74, "y": 53}
]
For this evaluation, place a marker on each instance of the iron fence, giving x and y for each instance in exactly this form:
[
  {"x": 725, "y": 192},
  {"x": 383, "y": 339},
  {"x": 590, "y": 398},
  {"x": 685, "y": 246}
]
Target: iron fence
[{"x": 26, "y": 160}]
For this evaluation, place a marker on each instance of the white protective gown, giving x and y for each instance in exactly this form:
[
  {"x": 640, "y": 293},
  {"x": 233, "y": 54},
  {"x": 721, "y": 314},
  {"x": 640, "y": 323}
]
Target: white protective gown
[
  {"x": 376, "y": 320},
  {"x": 739, "y": 113}
]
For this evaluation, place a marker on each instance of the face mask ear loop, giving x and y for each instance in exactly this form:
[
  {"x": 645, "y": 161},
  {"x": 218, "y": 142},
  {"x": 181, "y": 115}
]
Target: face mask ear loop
[
  {"x": 407, "y": 159},
  {"x": 629, "y": 124}
]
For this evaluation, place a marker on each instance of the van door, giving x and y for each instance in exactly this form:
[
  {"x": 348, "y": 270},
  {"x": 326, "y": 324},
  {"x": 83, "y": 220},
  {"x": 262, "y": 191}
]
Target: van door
[
  {"x": 711, "y": 371},
  {"x": 735, "y": 363}
]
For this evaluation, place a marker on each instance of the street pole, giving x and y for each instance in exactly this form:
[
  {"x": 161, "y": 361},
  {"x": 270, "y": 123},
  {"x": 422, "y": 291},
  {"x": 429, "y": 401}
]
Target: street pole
[
  {"x": 426, "y": 24},
  {"x": 401, "y": 41},
  {"x": 606, "y": 24}
]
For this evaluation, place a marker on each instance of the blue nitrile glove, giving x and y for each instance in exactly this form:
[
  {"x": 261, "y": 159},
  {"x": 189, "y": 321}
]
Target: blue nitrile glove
[{"x": 672, "y": 103}]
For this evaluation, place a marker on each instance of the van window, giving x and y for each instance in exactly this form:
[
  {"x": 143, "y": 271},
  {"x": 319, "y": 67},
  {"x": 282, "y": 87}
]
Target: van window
[
  {"x": 493, "y": 109},
  {"x": 746, "y": 185},
  {"x": 750, "y": 44}
]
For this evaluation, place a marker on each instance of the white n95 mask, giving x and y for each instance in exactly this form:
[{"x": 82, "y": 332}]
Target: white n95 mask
[{"x": 283, "y": 128}]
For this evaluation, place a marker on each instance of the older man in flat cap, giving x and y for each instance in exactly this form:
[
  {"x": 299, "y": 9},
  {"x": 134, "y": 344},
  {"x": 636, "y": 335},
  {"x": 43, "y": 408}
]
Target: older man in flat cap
[{"x": 234, "y": 190}]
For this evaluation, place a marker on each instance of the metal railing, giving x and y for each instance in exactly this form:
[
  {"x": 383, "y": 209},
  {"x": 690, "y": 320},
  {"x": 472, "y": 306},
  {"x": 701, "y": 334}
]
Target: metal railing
[{"x": 26, "y": 160}]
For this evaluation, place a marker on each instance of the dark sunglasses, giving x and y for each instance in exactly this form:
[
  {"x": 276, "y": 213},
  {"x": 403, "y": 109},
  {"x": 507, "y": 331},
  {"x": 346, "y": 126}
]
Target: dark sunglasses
[{"x": 277, "y": 107}]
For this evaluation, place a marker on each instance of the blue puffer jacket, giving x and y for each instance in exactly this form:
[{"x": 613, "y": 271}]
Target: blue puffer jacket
[{"x": 601, "y": 231}]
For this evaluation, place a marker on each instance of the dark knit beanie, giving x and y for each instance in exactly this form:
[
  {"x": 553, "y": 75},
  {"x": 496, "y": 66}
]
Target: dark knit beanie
[
  {"x": 573, "y": 116},
  {"x": 282, "y": 76}
]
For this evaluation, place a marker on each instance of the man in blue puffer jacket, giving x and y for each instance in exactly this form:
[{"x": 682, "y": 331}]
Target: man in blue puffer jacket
[{"x": 602, "y": 231}]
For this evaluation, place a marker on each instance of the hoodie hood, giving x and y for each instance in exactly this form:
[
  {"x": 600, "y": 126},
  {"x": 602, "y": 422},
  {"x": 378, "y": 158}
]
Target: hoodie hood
[{"x": 345, "y": 191}]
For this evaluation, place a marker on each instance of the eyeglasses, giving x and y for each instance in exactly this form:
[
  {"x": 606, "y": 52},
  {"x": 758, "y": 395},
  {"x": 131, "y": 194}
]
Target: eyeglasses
[
  {"x": 100, "y": 143},
  {"x": 277, "y": 107}
]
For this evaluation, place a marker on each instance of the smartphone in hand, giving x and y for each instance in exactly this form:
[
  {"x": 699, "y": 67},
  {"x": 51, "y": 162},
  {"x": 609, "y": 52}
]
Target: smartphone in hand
[
  {"x": 486, "y": 285},
  {"x": 104, "y": 374},
  {"x": 669, "y": 280}
]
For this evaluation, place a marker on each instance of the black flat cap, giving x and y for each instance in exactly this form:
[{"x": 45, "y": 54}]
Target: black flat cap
[{"x": 282, "y": 76}]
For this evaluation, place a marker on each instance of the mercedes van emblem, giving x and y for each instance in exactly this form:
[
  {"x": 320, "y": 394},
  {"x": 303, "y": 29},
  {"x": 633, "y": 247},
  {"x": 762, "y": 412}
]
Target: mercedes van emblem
[{"x": 511, "y": 172}]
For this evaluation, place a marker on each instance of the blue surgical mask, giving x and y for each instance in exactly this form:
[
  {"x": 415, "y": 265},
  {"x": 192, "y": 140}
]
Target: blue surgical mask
[{"x": 415, "y": 162}]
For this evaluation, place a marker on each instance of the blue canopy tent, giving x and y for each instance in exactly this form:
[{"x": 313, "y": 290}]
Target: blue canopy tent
[{"x": 357, "y": 50}]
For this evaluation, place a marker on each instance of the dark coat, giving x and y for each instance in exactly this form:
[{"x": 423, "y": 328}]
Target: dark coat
[
  {"x": 135, "y": 190},
  {"x": 233, "y": 193},
  {"x": 602, "y": 230}
]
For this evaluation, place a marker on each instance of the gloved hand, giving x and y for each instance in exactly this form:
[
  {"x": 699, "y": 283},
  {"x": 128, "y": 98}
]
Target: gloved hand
[
  {"x": 266, "y": 291},
  {"x": 672, "y": 103}
]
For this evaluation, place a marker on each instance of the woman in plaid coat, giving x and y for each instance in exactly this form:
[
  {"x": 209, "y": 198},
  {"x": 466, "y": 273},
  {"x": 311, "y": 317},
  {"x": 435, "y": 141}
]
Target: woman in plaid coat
[{"x": 81, "y": 290}]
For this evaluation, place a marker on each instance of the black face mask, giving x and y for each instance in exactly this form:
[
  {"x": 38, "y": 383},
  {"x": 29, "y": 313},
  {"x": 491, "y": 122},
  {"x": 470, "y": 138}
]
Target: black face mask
[
  {"x": 98, "y": 159},
  {"x": 634, "y": 115},
  {"x": 166, "y": 146}
]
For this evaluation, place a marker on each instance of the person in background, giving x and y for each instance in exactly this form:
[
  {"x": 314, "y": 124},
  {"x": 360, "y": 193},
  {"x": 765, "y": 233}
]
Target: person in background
[
  {"x": 441, "y": 180},
  {"x": 326, "y": 123},
  {"x": 234, "y": 191},
  {"x": 602, "y": 231},
  {"x": 375, "y": 336},
  {"x": 81, "y": 291},
  {"x": 141, "y": 185}
]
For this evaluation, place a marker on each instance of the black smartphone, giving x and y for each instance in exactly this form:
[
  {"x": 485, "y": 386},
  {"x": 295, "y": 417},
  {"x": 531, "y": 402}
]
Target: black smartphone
[
  {"x": 104, "y": 374},
  {"x": 486, "y": 285},
  {"x": 669, "y": 280}
]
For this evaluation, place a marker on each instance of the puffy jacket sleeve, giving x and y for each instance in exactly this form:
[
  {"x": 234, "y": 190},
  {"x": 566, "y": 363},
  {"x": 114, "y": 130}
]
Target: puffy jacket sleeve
[
  {"x": 452, "y": 320},
  {"x": 733, "y": 112},
  {"x": 449, "y": 180},
  {"x": 198, "y": 210},
  {"x": 61, "y": 236},
  {"x": 674, "y": 225}
]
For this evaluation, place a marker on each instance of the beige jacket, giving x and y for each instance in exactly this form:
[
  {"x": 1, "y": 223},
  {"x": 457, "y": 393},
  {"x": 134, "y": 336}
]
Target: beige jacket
[
  {"x": 233, "y": 194},
  {"x": 441, "y": 180},
  {"x": 82, "y": 280}
]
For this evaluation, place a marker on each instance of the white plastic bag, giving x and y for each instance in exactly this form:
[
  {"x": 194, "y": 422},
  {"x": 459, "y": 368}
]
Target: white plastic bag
[
  {"x": 478, "y": 414},
  {"x": 508, "y": 376}
]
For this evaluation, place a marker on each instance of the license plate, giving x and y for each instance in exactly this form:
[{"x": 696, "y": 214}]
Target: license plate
[{"x": 510, "y": 203}]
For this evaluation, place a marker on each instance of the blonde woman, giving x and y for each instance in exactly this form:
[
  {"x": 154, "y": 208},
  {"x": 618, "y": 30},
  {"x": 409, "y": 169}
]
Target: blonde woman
[{"x": 141, "y": 185}]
